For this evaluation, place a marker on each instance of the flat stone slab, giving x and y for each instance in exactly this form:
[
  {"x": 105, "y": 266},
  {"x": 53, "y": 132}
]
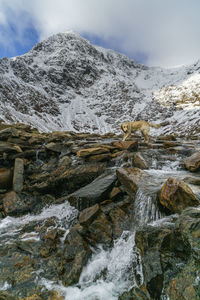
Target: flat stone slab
[{"x": 94, "y": 192}]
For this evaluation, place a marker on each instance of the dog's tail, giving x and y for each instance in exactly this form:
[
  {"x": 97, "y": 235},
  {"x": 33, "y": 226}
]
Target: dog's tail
[{"x": 155, "y": 125}]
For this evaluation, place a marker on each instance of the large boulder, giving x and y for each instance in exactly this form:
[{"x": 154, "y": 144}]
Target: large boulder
[
  {"x": 97, "y": 229},
  {"x": 15, "y": 204},
  {"x": 75, "y": 256},
  {"x": 192, "y": 163},
  {"x": 131, "y": 178},
  {"x": 95, "y": 192},
  {"x": 175, "y": 195},
  {"x": 189, "y": 225},
  {"x": 185, "y": 284},
  {"x": 163, "y": 253},
  {"x": 149, "y": 241},
  {"x": 61, "y": 181},
  {"x": 100, "y": 231}
]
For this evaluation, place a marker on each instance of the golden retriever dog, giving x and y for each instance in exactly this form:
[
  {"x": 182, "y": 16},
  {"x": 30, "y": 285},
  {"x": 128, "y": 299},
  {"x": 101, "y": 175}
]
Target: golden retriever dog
[{"x": 142, "y": 126}]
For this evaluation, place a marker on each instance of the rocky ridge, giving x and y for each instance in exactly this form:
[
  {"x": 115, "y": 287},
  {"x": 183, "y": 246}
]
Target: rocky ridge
[
  {"x": 64, "y": 196},
  {"x": 65, "y": 83}
]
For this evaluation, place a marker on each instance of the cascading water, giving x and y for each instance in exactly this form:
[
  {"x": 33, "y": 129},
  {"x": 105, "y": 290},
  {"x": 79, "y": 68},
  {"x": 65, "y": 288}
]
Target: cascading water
[{"x": 109, "y": 272}]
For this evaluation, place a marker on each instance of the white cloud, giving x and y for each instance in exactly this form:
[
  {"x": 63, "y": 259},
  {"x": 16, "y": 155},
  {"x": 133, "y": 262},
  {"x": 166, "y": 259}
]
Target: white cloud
[{"x": 167, "y": 31}]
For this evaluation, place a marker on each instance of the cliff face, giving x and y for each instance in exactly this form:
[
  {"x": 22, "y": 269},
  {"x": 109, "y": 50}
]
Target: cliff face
[{"x": 65, "y": 83}]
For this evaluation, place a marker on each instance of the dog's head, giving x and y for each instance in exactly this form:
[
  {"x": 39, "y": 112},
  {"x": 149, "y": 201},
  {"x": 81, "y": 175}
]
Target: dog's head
[{"x": 124, "y": 127}]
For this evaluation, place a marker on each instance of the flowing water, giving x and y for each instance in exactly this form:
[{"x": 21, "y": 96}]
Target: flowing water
[{"x": 109, "y": 272}]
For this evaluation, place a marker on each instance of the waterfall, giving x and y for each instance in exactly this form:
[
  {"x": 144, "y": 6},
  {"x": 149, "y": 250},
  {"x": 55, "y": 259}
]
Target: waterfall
[
  {"x": 145, "y": 209},
  {"x": 110, "y": 272}
]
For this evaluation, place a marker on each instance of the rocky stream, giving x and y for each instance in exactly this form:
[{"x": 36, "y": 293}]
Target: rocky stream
[{"x": 89, "y": 217}]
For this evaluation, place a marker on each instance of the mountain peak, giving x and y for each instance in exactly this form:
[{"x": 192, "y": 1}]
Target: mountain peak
[{"x": 66, "y": 83}]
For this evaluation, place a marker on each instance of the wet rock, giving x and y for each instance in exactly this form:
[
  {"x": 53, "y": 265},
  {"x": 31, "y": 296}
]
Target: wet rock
[
  {"x": 100, "y": 157},
  {"x": 6, "y": 176},
  {"x": 8, "y": 132},
  {"x": 180, "y": 150},
  {"x": 55, "y": 147},
  {"x": 88, "y": 215},
  {"x": 188, "y": 224},
  {"x": 169, "y": 144},
  {"x": 186, "y": 284},
  {"x": 163, "y": 254},
  {"x": 120, "y": 221},
  {"x": 137, "y": 293},
  {"x": 15, "y": 204},
  {"x": 100, "y": 231},
  {"x": 175, "y": 195},
  {"x": 33, "y": 297},
  {"x": 75, "y": 256},
  {"x": 55, "y": 296},
  {"x": 130, "y": 179},
  {"x": 195, "y": 180},
  {"x": 30, "y": 245},
  {"x": 92, "y": 151},
  {"x": 65, "y": 161},
  {"x": 124, "y": 203},
  {"x": 67, "y": 181},
  {"x": 94, "y": 192},
  {"x": 115, "y": 193},
  {"x": 169, "y": 137},
  {"x": 18, "y": 175},
  {"x": 139, "y": 161},
  {"x": 9, "y": 147},
  {"x": 50, "y": 240},
  {"x": 192, "y": 163},
  {"x": 148, "y": 241},
  {"x": 126, "y": 145},
  {"x": 6, "y": 296}
]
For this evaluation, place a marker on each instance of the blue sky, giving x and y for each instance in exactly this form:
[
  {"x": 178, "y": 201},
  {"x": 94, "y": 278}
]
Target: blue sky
[
  {"x": 29, "y": 38},
  {"x": 153, "y": 32}
]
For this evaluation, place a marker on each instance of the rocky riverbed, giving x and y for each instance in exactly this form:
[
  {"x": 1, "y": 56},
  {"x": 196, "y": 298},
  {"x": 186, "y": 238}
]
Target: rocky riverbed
[{"x": 87, "y": 216}]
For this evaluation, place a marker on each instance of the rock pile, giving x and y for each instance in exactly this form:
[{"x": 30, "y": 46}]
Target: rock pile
[{"x": 99, "y": 176}]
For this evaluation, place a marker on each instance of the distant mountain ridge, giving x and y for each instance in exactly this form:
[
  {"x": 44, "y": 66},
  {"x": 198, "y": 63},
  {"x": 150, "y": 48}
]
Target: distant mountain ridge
[{"x": 65, "y": 83}]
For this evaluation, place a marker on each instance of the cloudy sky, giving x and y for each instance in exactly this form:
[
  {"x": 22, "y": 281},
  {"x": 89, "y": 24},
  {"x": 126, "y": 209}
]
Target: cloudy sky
[{"x": 154, "y": 32}]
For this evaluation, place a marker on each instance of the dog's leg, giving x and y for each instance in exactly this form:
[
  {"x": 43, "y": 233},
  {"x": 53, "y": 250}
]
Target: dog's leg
[
  {"x": 145, "y": 133},
  {"x": 126, "y": 135}
]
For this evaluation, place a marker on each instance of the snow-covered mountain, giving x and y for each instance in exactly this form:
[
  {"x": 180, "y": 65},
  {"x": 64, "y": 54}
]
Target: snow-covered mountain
[{"x": 65, "y": 83}]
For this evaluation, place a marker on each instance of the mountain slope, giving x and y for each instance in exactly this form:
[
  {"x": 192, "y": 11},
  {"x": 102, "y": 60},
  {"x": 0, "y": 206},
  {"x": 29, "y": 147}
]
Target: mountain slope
[{"x": 65, "y": 83}]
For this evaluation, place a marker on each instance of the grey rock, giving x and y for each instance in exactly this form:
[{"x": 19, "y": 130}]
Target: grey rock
[
  {"x": 94, "y": 192},
  {"x": 18, "y": 176}
]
